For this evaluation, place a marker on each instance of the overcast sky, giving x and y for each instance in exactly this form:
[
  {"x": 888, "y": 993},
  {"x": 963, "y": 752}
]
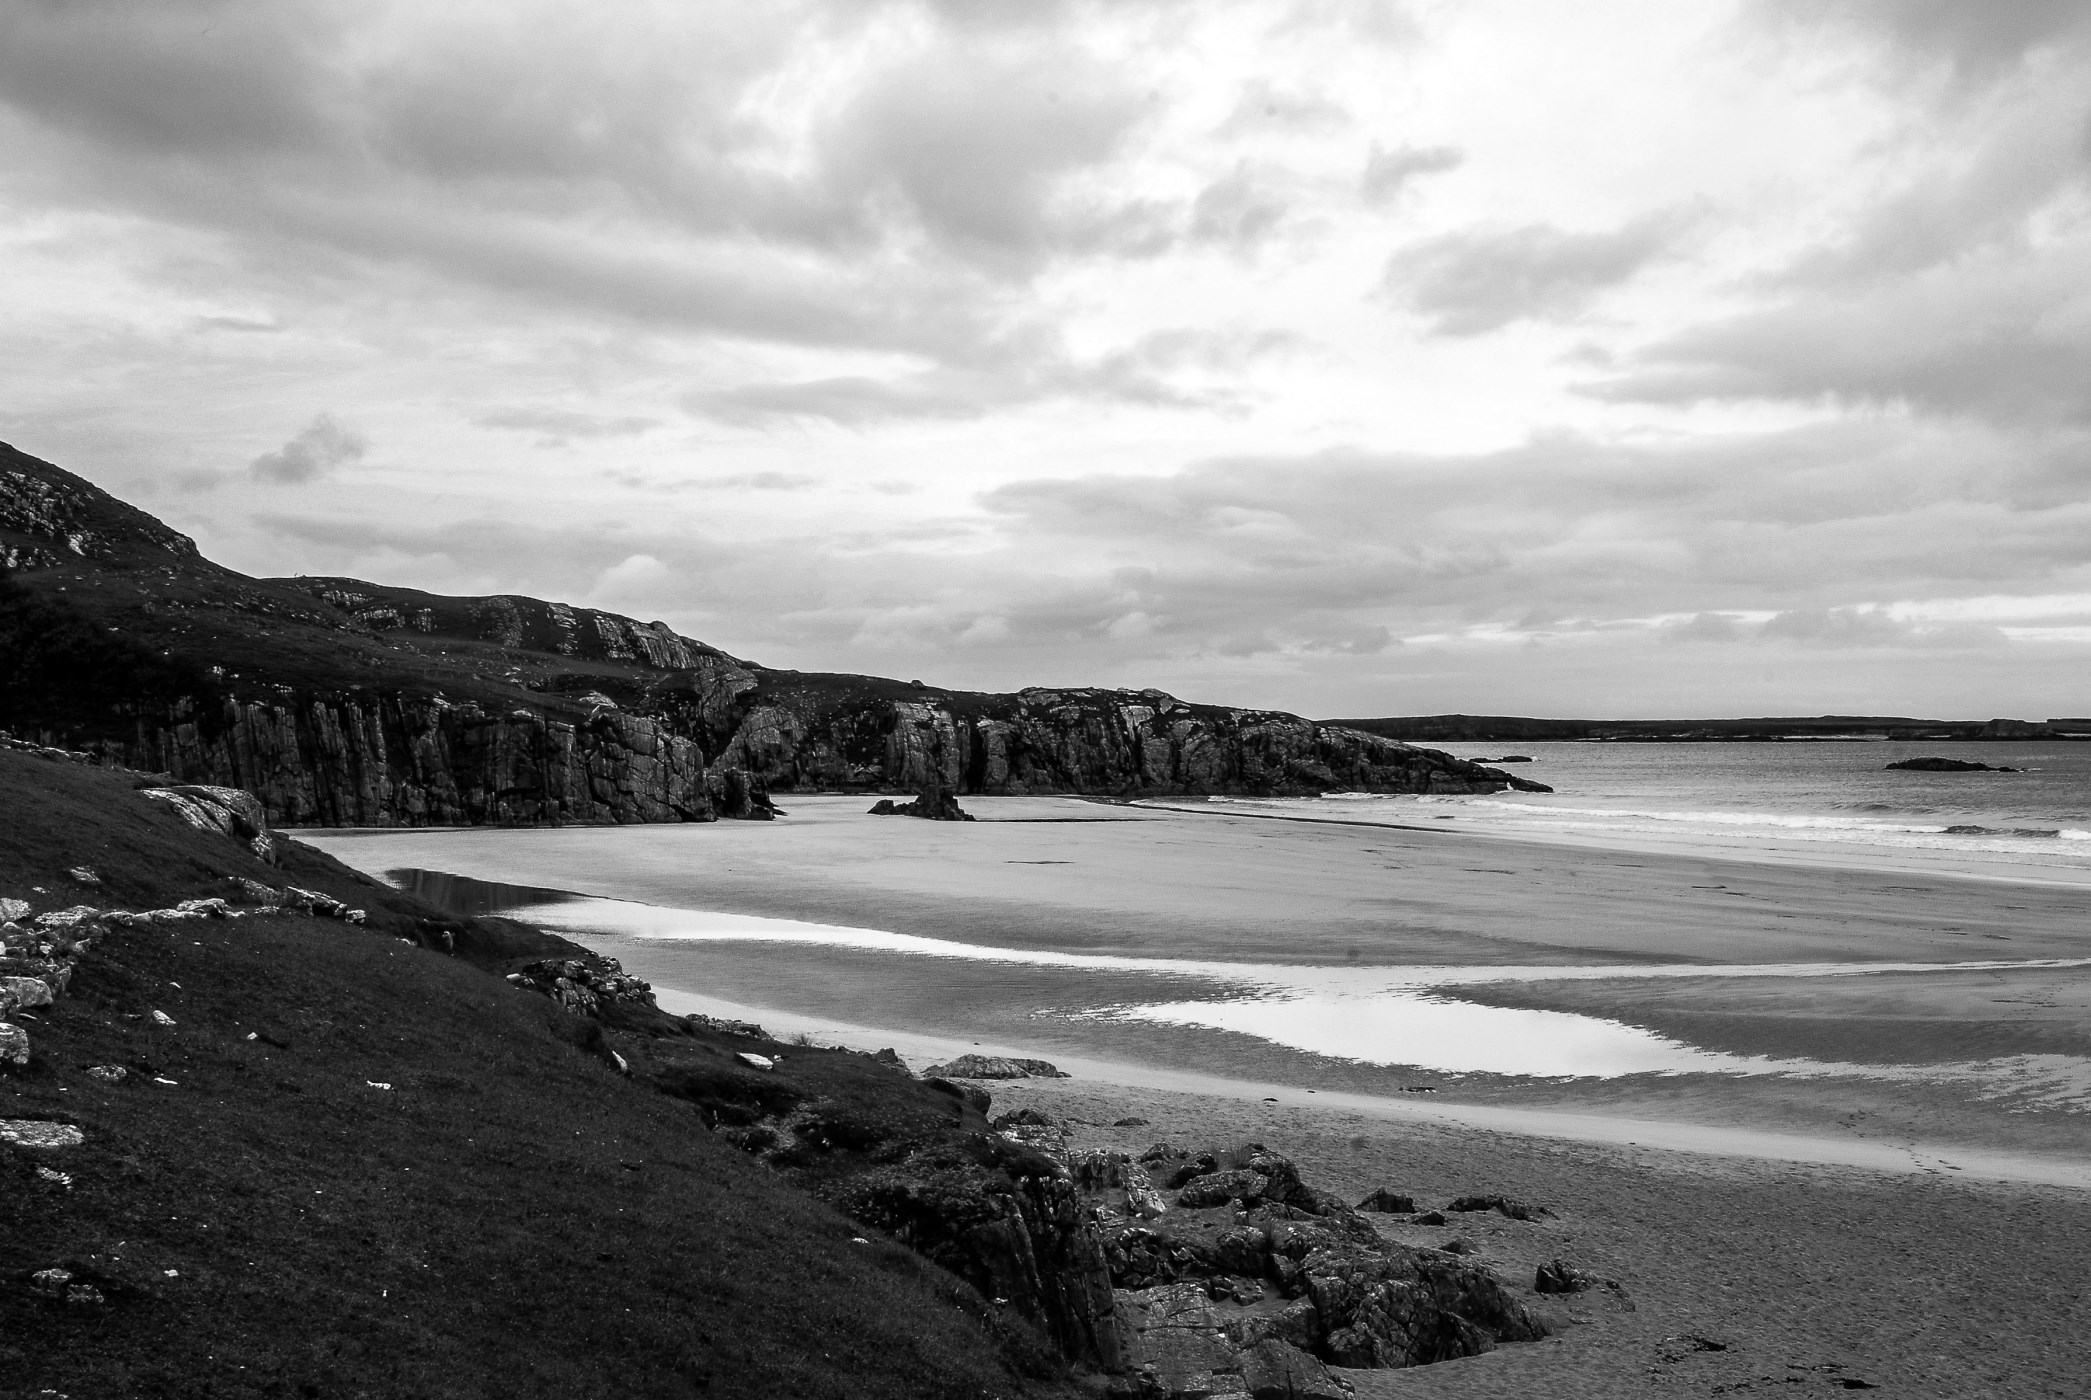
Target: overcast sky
[{"x": 1622, "y": 357}]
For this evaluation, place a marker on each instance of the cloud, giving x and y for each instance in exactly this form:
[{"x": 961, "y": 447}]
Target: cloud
[
  {"x": 1973, "y": 42},
  {"x": 559, "y": 426},
  {"x": 1482, "y": 280},
  {"x": 1264, "y": 108},
  {"x": 2006, "y": 338},
  {"x": 320, "y": 448},
  {"x": 1143, "y": 373},
  {"x": 1389, "y": 172}
]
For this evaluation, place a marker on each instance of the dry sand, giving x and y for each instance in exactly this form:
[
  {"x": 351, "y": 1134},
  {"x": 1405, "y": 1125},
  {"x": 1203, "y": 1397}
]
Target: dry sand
[{"x": 1807, "y": 1276}]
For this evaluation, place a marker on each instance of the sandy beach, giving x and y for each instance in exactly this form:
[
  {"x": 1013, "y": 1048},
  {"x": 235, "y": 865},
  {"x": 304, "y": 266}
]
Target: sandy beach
[{"x": 1866, "y": 1157}]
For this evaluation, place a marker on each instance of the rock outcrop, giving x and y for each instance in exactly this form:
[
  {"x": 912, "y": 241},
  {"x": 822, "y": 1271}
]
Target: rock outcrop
[
  {"x": 1256, "y": 1282},
  {"x": 993, "y": 1067},
  {"x": 342, "y": 702},
  {"x": 938, "y": 806}
]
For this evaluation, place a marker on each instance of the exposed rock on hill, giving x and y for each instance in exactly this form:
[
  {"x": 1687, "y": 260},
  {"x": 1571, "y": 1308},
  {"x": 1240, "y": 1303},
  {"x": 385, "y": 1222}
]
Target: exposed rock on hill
[{"x": 338, "y": 701}]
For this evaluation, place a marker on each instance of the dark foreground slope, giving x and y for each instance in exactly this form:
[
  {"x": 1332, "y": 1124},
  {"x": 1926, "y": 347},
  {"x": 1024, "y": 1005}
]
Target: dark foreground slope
[
  {"x": 344, "y": 702},
  {"x": 376, "y": 1169}
]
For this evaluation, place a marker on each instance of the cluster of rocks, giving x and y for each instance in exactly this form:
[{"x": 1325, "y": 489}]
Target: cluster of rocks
[
  {"x": 47, "y": 752},
  {"x": 1253, "y": 1282},
  {"x": 584, "y": 986},
  {"x": 38, "y": 953},
  {"x": 36, "y": 966},
  {"x": 1180, "y": 1275}
]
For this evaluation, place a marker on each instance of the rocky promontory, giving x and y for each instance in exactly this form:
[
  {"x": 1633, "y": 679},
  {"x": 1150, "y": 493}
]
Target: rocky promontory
[{"x": 342, "y": 702}]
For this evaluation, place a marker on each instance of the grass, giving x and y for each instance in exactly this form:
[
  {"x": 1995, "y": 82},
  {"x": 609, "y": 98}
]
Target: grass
[{"x": 510, "y": 1217}]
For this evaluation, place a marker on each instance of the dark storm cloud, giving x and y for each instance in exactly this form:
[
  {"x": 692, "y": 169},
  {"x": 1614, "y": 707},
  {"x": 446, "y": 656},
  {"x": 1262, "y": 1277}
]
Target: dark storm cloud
[
  {"x": 322, "y": 447},
  {"x": 1478, "y": 281}
]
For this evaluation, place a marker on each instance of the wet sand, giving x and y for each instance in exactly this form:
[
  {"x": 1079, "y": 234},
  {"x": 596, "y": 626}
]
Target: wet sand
[{"x": 1072, "y": 877}]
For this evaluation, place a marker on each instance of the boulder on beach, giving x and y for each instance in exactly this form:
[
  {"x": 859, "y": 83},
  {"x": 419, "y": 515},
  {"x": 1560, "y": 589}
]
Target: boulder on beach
[
  {"x": 994, "y": 1067},
  {"x": 936, "y": 807}
]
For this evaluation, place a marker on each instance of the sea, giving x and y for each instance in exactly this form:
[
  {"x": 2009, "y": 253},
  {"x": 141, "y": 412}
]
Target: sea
[{"x": 1837, "y": 800}]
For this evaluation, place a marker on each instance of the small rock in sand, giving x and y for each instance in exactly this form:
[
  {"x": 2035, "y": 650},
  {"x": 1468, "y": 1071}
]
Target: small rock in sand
[
  {"x": 1389, "y": 1203},
  {"x": 161, "y": 1018},
  {"x": 108, "y": 1074}
]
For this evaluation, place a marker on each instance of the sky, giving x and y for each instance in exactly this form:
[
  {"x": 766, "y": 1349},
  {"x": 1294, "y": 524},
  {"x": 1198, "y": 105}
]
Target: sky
[{"x": 1627, "y": 358}]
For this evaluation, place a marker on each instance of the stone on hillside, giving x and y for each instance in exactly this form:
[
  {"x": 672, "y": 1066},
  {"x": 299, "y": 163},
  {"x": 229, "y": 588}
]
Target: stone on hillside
[
  {"x": 83, "y": 875},
  {"x": 993, "y": 1067},
  {"x": 755, "y": 1061},
  {"x": 721, "y": 1026},
  {"x": 108, "y": 1074},
  {"x": 1218, "y": 1188},
  {"x": 31, "y": 1132},
  {"x": 13, "y": 911},
  {"x": 14, "y": 1044},
  {"x": 230, "y": 812},
  {"x": 19, "y": 992}
]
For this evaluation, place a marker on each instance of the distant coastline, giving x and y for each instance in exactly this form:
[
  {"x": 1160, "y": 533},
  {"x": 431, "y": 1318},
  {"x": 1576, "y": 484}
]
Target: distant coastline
[{"x": 1814, "y": 729}]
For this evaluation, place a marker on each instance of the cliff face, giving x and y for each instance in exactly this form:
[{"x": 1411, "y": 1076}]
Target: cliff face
[{"x": 342, "y": 702}]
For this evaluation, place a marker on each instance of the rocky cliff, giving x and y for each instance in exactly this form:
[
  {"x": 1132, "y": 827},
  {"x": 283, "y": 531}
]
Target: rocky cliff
[{"x": 342, "y": 702}]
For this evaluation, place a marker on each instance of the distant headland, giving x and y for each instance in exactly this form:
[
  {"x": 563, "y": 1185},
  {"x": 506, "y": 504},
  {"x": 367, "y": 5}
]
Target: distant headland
[{"x": 1479, "y": 728}]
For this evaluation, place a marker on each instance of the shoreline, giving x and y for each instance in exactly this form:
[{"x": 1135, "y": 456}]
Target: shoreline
[{"x": 1683, "y": 1139}]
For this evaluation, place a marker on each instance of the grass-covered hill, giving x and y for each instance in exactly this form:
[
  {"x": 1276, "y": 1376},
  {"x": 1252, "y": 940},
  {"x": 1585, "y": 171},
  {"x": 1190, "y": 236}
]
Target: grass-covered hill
[
  {"x": 358, "y": 1165},
  {"x": 341, "y": 701}
]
